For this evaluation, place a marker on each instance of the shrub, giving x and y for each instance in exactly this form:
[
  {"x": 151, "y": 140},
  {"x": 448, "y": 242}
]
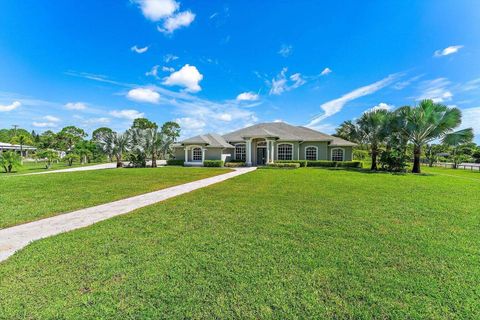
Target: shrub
[
  {"x": 10, "y": 160},
  {"x": 213, "y": 163},
  {"x": 175, "y": 162},
  {"x": 283, "y": 165},
  {"x": 334, "y": 164},
  {"x": 231, "y": 164},
  {"x": 236, "y": 160},
  {"x": 393, "y": 161},
  {"x": 302, "y": 163},
  {"x": 360, "y": 155}
]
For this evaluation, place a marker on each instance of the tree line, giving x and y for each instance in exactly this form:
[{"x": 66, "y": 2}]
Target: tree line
[
  {"x": 408, "y": 133},
  {"x": 143, "y": 140}
]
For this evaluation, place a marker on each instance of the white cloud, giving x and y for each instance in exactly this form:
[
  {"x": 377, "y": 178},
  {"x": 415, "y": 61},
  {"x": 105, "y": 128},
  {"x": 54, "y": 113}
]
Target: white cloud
[
  {"x": 167, "y": 69},
  {"x": 278, "y": 120},
  {"x": 471, "y": 119},
  {"x": 177, "y": 21},
  {"x": 128, "y": 114},
  {"x": 139, "y": 50},
  {"x": 187, "y": 77},
  {"x": 51, "y": 119},
  {"x": 285, "y": 50},
  {"x": 447, "y": 51},
  {"x": 144, "y": 95},
  {"x": 470, "y": 85},
  {"x": 247, "y": 96},
  {"x": 75, "y": 106},
  {"x": 6, "y": 108},
  {"x": 281, "y": 84},
  {"x": 44, "y": 124},
  {"x": 381, "y": 106},
  {"x": 156, "y": 10},
  {"x": 334, "y": 106},
  {"x": 326, "y": 71},
  {"x": 436, "y": 89},
  {"x": 190, "y": 124},
  {"x": 403, "y": 84},
  {"x": 98, "y": 121},
  {"x": 153, "y": 72},
  {"x": 169, "y": 57}
]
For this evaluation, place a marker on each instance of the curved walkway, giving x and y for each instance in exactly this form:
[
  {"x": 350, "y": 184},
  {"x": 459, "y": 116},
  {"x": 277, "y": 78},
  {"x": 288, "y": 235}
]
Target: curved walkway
[
  {"x": 85, "y": 168},
  {"x": 15, "y": 238}
]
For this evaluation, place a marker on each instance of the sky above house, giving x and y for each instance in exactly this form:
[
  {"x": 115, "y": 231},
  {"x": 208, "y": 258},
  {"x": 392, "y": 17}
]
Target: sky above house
[{"x": 215, "y": 66}]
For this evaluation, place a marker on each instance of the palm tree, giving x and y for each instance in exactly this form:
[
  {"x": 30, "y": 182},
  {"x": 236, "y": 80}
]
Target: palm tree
[
  {"x": 9, "y": 160},
  {"x": 457, "y": 138},
  {"x": 371, "y": 128},
  {"x": 348, "y": 130},
  {"x": 427, "y": 122},
  {"x": 114, "y": 144}
]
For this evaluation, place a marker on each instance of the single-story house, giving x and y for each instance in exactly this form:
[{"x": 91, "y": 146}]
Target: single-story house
[
  {"x": 264, "y": 143},
  {"x": 24, "y": 150}
]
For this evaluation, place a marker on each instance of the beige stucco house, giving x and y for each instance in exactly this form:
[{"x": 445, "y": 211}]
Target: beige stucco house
[{"x": 264, "y": 143}]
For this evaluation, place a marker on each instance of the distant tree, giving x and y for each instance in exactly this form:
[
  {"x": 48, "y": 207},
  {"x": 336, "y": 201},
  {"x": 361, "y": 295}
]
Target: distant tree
[
  {"x": 455, "y": 140},
  {"x": 49, "y": 156},
  {"x": 71, "y": 158},
  {"x": 115, "y": 144},
  {"x": 143, "y": 123},
  {"x": 348, "y": 130},
  {"x": 170, "y": 133},
  {"x": 69, "y": 136},
  {"x": 371, "y": 126},
  {"x": 47, "y": 140},
  {"x": 9, "y": 160},
  {"x": 97, "y": 133}
]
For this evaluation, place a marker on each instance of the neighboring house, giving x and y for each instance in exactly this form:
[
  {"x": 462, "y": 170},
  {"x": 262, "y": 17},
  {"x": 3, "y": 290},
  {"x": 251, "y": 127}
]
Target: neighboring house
[
  {"x": 264, "y": 143},
  {"x": 17, "y": 148}
]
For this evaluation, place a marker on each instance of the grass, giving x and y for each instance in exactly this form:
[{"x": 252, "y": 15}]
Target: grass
[
  {"x": 27, "y": 198},
  {"x": 272, "y": 244},
  {"x": 31, "y": 167}
]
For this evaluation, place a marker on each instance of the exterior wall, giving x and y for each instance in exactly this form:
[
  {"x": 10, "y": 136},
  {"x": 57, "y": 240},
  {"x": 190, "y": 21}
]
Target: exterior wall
[
  {"x": 322, "y": 150},
  {"x": 213, "y": 154},
  {"x": 295, "y": 149},
  {"x": 179, "y": 153},
  {"x": 210, "y": 153},
  {"x": 347, "y": 156}
]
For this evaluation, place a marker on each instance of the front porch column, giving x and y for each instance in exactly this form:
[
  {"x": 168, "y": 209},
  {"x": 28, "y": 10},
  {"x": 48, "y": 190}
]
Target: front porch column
[
  {"x": 203, "y": 154},
  {"x": 186, "y": 154},
  {"x": 249, "y": 152},
  {"x": 272, "y": 151},
  {"x": 268, "y": 151}
]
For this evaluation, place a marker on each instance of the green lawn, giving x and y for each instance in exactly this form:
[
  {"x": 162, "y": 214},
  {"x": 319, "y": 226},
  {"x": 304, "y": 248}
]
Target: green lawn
[
  {"x": 27, "y": 198},
  {"x": 31, "y": 167},
  {"x": 296, "y": 244}
]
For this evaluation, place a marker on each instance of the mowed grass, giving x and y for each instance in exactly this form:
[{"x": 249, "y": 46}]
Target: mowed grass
[
  {"x": 27, "y": 198},
  {"x": 31, "y": 167},
  {"x": 272, "y": 244}
]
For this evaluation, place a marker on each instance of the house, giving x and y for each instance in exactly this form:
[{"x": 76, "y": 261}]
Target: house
[
  {"x": 264, "y": 143},
  {"x": 23, "y": 150}
]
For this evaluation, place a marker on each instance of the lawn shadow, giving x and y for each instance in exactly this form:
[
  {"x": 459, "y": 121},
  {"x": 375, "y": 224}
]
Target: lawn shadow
[{"x": 368, "y": 171}]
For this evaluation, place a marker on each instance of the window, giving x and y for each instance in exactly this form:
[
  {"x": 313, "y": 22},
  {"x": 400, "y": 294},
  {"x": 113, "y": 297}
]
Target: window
[
  {"x": 197, "y": 154},
  {"x": 311, "y": 153},
  {"x": 285, "y": 152},
  {"x": 337, "y": 154},
  {"x": 240, "y": 152}
]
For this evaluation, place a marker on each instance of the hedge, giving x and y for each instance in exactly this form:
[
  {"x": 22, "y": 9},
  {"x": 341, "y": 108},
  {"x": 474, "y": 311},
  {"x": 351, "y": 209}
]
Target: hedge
[
  {"x": 334, "y": 164},
  {"x": 213, "y": 163},
  {"x": 302, "y": 163},
  {"x": 283, "y": 165},
  {"x": 231, "y": 164},
  {"x": 175, "y": 162}
]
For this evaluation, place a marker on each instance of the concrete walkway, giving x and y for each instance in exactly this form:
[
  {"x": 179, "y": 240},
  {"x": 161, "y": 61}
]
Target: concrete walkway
[
  {"x": 15, "y": 238},
  {"x": 85, "y": 168}
]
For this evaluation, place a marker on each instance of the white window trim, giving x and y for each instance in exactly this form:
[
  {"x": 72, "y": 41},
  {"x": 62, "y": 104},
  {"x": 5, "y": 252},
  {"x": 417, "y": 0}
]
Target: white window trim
[
  {"x": 235, "y": 150},
  {"x": 316, "y": 148},
  {"x": 331, "y": 153},
  {"x": 293, "y": 149},
  {"x": 191, "y": 152}
]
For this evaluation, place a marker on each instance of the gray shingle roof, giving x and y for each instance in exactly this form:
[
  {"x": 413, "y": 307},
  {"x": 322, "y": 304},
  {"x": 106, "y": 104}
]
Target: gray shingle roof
[{"x": 212, "y": 140}]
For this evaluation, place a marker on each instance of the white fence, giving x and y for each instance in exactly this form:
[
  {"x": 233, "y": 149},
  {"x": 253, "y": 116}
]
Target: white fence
[{"x": 463, "y": 165}]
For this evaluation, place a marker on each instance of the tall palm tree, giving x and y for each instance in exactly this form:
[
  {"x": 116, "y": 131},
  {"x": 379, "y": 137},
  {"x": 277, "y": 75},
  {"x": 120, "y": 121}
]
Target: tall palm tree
[
  {"x": 371, "y": 127},
  {"x": 427, "y": 122},
  {"x": 457, "y": 138},
  {"x": 348, "y": 130},
  {"x": 115, "y": 144}
]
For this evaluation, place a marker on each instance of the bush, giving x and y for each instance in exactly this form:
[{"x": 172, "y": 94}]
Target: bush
[
  {"x": 213, "y": 163},
  {"x": 393, "y": 161},
  {"x": 175, "y": 162},
  {"x": 334, "y": 164},
  {"x": 302, "y": 163},
  {"x": 235, "y": 164},
  {"x": 236, "y": 160},
  {"x": 360, "y": 155},
  {"x": 282, "y": 165}
]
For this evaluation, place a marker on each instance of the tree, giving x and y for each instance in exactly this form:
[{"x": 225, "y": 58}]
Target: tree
[
  {"x": 454, "y": 140},
  {"x": 371, "y": 127},
  {"x": 9, "y": 160},
  {"x": 69, "y": 136},
  {"x": 427, "y": 122},
  {"x": 96, "y": 134},
  {"x": 22, "y": 140},
  {"x": 47, "y": 140},
  {"x": 348, "y": 130},
  {"x": 71, "y": 158},
  {"x": 115, "y": 144},
  {"x": 143, "y": 123},
  {"x": 171, "y": 132},
  {"x": 49, "y": 156},
  {"x": 432, "y": 151}
]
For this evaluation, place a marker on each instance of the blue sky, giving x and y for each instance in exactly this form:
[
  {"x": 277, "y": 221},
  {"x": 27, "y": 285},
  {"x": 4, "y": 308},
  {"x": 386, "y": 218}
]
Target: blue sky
[{"x": 214, "y": 66}]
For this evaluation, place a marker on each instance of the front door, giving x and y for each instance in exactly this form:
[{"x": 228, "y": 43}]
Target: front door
[{"x": 261, "y": 156}]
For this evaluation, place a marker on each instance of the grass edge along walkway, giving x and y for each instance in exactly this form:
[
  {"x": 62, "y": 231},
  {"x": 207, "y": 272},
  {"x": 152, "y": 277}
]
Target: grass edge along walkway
[{"x": 15, "y": 238}]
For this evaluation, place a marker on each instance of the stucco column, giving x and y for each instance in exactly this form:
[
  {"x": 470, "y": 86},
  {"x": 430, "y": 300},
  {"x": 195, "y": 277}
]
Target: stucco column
[
  {"x": 268, "y": 151},
  {"x": 203, "y": 154},
  {"x": 249, "y": 152},
  {"x": 272, "y": 151},
  {"x": 186, "y": 154}
]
